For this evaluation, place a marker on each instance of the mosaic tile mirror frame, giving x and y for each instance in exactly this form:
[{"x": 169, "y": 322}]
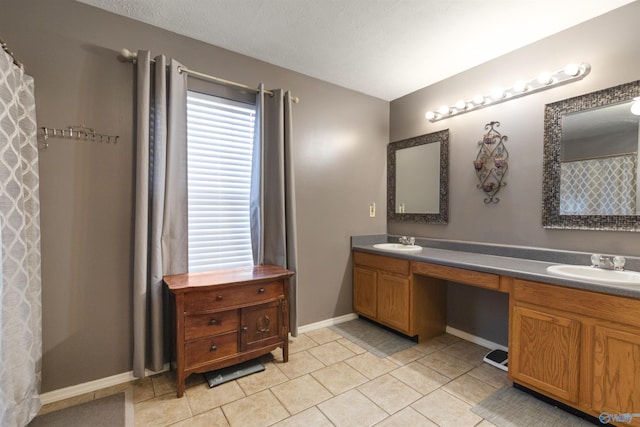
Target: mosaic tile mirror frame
[{"x": 555, "y": 214}]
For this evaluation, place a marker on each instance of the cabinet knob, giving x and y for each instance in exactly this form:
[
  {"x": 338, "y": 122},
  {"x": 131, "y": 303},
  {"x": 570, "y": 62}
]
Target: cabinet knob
[
  {"x": 261, "y": 291},
  {"x": 219, "y": 298},
  {"x": 213, "y": 348},
  {"x": 214, "y": 322},
  {"x": 245, "y": 328}
]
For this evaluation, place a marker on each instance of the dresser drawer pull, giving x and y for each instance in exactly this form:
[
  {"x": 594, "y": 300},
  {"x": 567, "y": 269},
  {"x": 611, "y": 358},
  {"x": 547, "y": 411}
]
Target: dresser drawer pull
[
  {"x": 214, "y": 322},
  {"x": 219, "y": 298},
  {"x": 213, "y": 348},
  {"x": 261, "y": 291}
]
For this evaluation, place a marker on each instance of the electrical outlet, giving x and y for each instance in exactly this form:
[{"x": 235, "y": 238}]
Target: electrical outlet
[{"x": 372, "y": 210}]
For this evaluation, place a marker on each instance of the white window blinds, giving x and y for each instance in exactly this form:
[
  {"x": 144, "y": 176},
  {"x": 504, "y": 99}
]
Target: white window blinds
[{"x": 219, "y": 149}]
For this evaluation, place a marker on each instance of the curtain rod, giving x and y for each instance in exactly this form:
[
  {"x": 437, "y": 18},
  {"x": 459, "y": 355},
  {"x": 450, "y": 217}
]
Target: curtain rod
[
  {"x": 6, "y": 49},
  {"x": 127, "y": 55},
  {"x": 604, "y": 156}
]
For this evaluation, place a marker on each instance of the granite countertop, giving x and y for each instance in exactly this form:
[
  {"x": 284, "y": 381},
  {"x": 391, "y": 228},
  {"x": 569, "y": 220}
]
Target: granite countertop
[{"x": 514, "y": 261}]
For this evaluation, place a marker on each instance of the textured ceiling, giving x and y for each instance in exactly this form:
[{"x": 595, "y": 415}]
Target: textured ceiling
[{"x": 384, "y": 48}]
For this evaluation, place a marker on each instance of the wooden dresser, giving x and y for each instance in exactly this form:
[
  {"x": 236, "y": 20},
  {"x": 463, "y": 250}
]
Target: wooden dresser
[{"x": 224, "y": 317}]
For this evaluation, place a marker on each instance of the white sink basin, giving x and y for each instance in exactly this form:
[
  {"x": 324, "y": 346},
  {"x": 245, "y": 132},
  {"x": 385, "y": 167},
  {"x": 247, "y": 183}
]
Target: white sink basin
[
  {"x": 397, "y": 247},
  {"x": 596, "y": 274}
]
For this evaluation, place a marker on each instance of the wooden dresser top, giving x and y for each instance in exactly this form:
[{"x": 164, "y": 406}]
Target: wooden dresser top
[{"x": 240, "y": 275}]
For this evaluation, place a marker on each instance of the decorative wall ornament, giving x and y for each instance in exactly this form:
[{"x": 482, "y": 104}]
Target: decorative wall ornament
[{"x": 491, "y": 163}]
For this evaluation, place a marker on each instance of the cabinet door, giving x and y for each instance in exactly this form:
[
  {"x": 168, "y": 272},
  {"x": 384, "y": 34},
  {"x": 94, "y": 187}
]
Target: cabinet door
[
  {"x": 261, "y": 325},
  {"x": 544, "y": 352},
  {"x": 616, "y": 372},
  {"x": 365, "y": 292},
  {"x": 393, "y": 301}
]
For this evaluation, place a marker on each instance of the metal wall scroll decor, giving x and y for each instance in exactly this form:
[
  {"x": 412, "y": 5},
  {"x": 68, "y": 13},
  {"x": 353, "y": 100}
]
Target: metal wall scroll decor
[{"x": 491, "y": 163}]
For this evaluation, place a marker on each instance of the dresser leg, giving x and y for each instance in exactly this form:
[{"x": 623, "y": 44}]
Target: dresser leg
[
  {"x": 180, "y": 383},
  {"x": 285, "y": 350}
]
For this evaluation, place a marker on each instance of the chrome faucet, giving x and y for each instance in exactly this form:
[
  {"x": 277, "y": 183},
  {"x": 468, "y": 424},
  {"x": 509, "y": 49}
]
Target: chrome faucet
[
  {"x": 407, "y": 240},
  {"x": 607, "y": 263}
]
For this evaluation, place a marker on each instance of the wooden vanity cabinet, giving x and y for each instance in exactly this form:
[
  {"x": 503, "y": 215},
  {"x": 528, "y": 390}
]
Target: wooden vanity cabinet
[
  {"x": 224, "y": 317},
  {"x": 394, "y": 302},
  {"x": 579, "y": 347},
  {"x": 384, "y": 290},
  {"x": 381, "y": 290},
  {"x": 365, "y": 291},
  {"x": 545, "y": 351}
]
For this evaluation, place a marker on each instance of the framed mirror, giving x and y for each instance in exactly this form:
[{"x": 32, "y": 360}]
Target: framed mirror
[
  {"x": 590, "y": 166},
  {"x": 418, "y": 179}
]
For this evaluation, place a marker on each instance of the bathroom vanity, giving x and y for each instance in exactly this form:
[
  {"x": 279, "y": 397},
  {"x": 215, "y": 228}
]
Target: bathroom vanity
[
  {"x": 576, "y": 342},
  {"x": 224, "y": 317}
]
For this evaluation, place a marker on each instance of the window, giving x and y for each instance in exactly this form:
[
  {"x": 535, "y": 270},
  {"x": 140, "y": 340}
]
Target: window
[{"x": 219, "y": 149}]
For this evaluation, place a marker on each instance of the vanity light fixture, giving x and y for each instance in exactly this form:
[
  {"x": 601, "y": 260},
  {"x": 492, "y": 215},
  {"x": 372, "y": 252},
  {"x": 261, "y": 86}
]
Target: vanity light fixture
[{"x": 543, "y": 81}]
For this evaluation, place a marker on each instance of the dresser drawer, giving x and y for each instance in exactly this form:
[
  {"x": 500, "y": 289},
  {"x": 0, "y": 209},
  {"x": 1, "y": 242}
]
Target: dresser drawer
[
  {"x": 208, "y": 349},
  {"x": 230, "y": 296},
  {"x": 203, "y": 325}
]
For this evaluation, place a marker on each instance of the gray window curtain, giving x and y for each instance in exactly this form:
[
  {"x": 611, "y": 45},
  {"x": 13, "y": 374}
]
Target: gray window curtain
[
  {"x": 272, "y": 200},
  {"x": 160, "y": 245},
  {"x": 20, "y": 279}
]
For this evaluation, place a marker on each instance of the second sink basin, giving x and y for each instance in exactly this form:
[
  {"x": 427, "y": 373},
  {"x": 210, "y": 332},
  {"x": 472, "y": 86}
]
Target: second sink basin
[
  {"x": 596, "y": 274},
  {"x": 397, "y": 247}
]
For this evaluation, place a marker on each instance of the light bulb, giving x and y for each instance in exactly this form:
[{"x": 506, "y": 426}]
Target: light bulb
[
  {"x": 444, "y": 110},
  {"x": 430, "y": 115},
  {"x": 461, "y": 105},
  {"x": 572, "y": 70},
  {"x": 544, "y": 78},
  {"x": 635, "y": 107},
  {"x": 497, "y": 93},
  {"x": 478, "y": 99},
  {"x": 519, "y": 86}
]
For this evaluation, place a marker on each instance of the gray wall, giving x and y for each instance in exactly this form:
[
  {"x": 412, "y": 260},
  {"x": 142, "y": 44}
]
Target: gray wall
[
  {"x": 609, "y": 43},
  {"x": 87, "y": 188}
]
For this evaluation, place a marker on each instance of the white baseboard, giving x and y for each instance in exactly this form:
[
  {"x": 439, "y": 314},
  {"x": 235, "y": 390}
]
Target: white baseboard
[
  {"x": 450, "y": 330},
  {"x": 91, "y": 386},
  {"x": 474, "y": 339},
  {"x": 326, "y": 323},
  {"x": 125, "y": 377}
]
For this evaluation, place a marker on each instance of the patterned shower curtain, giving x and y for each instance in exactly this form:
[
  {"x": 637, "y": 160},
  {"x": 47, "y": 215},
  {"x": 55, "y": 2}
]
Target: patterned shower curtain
[
  {"x": 20, "y": 303},
  {"x": 605, "y": 186}
]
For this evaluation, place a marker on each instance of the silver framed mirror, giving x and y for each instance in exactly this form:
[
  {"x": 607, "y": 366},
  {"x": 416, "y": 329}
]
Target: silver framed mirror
[
  {"x": 590, "y": 164},
  {"x": 418, "y": 179}
]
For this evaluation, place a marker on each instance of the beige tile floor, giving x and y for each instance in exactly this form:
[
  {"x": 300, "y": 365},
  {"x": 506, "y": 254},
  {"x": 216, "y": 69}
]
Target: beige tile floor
[{"x": 328, "y": 381}]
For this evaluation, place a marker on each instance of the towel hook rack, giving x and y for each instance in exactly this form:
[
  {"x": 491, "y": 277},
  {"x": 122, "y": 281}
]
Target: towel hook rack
[{"x": 74, "y": 132}]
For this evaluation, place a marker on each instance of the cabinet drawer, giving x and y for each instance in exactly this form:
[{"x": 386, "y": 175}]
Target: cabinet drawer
[
  {"x": 202, "y": 325},
  {"x": 607, "y": 307},
  {"x": 392, "y": 265},
  {"x": 230, "y": 296},
  {"x": 458, "y": 275},
  {"x": 209, "y": 349}
]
